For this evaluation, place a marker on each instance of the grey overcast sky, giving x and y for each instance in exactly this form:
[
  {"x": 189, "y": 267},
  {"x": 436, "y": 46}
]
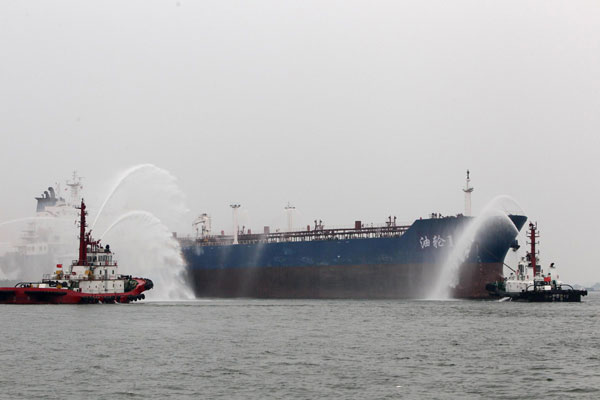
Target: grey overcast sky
[{"x": 348, "y": 109}]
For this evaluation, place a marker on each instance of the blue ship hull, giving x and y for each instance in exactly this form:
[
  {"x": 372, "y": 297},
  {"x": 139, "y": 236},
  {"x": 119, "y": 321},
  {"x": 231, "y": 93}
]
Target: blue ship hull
[{"x": 406, "y": 266}]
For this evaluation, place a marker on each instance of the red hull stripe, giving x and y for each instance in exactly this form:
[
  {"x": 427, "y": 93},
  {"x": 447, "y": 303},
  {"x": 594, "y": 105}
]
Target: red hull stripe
[{"x": 31, "y": 295}]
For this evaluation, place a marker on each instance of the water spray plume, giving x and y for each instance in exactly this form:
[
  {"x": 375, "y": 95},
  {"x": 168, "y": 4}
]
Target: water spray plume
[
  {"x": 137, "y": 214},
  {"x": 14, "y": 221},
  {"x": 147, "y": 247},
  {"x": 504, "y": 203},
  {"x": 126, "y": 176},
  {"x": 495, "y": 212},
  {"x": 116, "y": 186},
  {"x": 142, "y": 235}
]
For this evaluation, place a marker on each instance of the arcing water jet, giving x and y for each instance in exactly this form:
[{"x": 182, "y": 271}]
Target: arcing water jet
[
  {"x": 495, "y": 212},
  {"x": 154, "y": 184},
  {"x": 147, "y": 247},
  {"x": 145, "y": 216},
  {"x": 14, "y": 221},
  {"x": 144, "y": 201}
]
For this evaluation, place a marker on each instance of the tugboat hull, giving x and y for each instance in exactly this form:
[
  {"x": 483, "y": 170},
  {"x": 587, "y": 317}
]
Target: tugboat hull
[
  {"x": 560, "y": 295},
  {"x": 538, "y": 296},
  {"x": 33, "y": 295}
]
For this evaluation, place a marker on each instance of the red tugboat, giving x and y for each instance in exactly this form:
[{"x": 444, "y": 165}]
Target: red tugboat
[{"x": 93, "y": 278}]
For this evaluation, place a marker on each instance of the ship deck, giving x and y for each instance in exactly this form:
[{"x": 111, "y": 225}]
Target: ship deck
[{"x": 300, "y": 236}]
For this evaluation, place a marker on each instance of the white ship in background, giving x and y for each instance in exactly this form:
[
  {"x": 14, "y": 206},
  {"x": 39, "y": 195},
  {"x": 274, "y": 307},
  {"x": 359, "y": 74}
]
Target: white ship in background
[{"x": 48, "y": 238}]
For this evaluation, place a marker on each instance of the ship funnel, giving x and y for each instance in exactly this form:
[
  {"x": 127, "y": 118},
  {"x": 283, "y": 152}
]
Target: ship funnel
[
  {"x": 46, "y": 195},
  {"x": 52, "y": 194}
]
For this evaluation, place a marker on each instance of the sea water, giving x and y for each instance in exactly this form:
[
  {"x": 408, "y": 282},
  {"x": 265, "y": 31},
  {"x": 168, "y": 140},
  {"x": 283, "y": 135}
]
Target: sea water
[{"x": 302, "y": 349}]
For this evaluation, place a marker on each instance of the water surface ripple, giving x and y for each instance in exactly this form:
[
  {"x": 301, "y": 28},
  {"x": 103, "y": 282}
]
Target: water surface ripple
[{"x": 304, "y": 349}]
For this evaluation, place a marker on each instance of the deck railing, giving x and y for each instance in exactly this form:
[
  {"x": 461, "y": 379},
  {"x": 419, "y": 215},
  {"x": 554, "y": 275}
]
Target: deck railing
[{"x": 301, "y": 236}]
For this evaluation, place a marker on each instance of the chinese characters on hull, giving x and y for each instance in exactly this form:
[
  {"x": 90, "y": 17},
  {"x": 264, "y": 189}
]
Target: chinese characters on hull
[{"x": 437, "y": 241}]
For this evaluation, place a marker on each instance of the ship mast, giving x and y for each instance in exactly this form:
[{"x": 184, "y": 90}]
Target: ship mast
[
  {"x": 468, "y": 190},
  {"x": 76, "y": 187},
  {"x": 533, "y": 235},
  {"x": 289, "y": 209},
  {"x": 236, "y": 228},
  {"x": 82, "y": 236}
]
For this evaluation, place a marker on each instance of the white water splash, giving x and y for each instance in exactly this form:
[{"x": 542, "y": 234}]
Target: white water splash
[
  {"x": 144, "y": 186},
  {"x": 116, "y": 186},
  {"x": 145, "y": 247},
  {"x": 506, "y": 204},
  {"x": 14, "y": 221},
  {"x": 137, "y": 216},
  {"x": 496, "y": 211}
]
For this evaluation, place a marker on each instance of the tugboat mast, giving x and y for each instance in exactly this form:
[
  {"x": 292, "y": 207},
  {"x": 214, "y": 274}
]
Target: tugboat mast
[
  {"x": 533, "y": 234},
  {"x": 468, "y": 190},
  {"x": 82, "y": 236}
]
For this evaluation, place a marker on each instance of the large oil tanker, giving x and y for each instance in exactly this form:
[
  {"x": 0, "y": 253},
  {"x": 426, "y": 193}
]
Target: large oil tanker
[{"x": 389, "y": 261}]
